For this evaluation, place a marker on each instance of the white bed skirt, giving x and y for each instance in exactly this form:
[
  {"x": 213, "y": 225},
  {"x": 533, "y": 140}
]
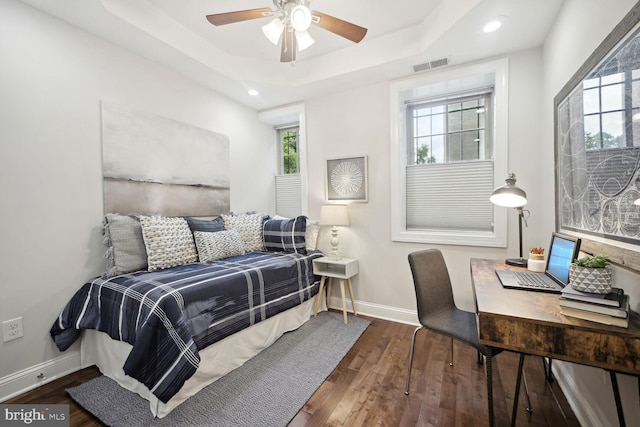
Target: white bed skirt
[{"x": 97, "y": 348}]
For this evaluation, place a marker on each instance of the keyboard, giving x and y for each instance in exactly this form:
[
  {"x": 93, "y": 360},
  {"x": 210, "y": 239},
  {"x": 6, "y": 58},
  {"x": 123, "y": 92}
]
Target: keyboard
[{"x": 533, "y": 280}]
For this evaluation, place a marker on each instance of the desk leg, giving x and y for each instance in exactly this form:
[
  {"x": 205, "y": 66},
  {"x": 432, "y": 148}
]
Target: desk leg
[
  {"x": 353, "y": 303},
  {"x": 547, "y": 369},
  {"x": 490, "y": 386},
  {"x": 616, "y": 396},
  {"x": 329, "y": 283},
  {"x": 514, "y": 412},
  {"x": 320, "y": 295}
]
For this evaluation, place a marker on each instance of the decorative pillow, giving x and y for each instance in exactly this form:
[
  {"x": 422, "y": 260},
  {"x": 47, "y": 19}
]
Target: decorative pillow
[
  {"x": 311, "y": 235},
  {"x": 285, "y": 235},
  {"x": 250, "y": 228},
  {"x": 169, "y": 242},
  {"x": 208, "y": 225},
  {"x": 125, "y": 245},
  {"x": 218, "y": 245}
]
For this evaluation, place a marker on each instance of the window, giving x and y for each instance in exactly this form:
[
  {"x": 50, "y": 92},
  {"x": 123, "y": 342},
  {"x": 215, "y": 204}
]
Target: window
[
  {"x": 289, "y": 157},
  {"x": 449, "y": 130},
  {"x": 450, "y": 147},
  {"x": 290, "y": 180},
  {"x": 604, "y": 111}
]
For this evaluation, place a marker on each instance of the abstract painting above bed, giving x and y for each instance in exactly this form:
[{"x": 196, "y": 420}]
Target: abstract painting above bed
[
  {"x": 155, "y": 165},
  {"x": 168, "y": 315}
]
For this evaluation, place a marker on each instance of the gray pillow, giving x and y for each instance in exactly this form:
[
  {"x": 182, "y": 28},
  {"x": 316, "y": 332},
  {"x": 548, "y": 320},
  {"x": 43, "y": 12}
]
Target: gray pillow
[{"x": 125, "y": 246}]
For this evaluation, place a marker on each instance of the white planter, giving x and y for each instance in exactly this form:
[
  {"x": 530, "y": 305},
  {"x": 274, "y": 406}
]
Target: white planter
[{"x": 593, "y": 280}]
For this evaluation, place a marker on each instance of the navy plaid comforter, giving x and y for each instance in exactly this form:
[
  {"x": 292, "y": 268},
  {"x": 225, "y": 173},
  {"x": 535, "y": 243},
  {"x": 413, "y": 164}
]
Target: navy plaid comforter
[{"x": 168, "y": 315}]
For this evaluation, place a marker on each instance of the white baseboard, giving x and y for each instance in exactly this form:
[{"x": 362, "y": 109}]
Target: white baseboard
[
  {"x": 393, "y": 314},
  {"x": 27, "y": 379},
  {"x": 585, "y": 411}
]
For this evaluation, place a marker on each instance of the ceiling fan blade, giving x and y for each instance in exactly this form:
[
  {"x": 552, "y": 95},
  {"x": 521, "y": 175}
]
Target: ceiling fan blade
[
  {"x": 289, "y": 46},
  {"x": 345, "y": 29},
  {"x": 238, "y": 16}
]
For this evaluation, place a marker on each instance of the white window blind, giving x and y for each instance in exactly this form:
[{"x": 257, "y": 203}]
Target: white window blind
[
  {"x": 289, "y": 195},
  {"x": 451, "y": 196}
]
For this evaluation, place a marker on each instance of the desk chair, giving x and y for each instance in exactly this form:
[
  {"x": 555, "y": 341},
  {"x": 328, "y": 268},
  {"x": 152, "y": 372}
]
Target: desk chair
[{"x": 438, "y": 313}]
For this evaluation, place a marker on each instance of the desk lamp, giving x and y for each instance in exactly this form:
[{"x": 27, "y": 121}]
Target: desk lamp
[
  {"x": 334, "y": 215},
  {"x": 512, "y": 196}
]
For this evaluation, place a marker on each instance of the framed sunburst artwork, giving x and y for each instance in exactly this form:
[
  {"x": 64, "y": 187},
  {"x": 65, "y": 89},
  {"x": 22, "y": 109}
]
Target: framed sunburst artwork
[{"x": 347, "y": 179}]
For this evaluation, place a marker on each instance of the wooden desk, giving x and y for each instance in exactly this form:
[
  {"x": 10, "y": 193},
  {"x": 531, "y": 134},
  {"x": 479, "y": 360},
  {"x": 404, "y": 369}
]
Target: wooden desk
[{"x": 530, "y": 322}]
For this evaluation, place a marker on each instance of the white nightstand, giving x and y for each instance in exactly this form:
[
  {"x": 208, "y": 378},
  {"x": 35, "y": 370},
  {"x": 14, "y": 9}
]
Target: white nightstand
[{"x": 343, "y": 269}]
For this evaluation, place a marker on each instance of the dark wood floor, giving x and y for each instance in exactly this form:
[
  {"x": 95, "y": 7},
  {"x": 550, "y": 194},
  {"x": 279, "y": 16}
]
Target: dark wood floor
[{"x": 367, "y": 387}]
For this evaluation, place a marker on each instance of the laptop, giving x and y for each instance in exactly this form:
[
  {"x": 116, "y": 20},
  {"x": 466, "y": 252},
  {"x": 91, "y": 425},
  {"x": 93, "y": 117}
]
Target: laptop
[{"x": 562, "y": 251}]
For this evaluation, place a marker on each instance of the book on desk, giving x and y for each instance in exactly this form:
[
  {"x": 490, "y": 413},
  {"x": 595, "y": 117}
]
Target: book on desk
[{"x": 608, "y": 309}]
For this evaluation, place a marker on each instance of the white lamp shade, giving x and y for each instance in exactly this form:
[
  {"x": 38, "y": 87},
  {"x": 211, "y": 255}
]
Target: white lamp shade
[
  {"x": 300, "y": 18},
  {"x": 509, "y": 195},
  {"x": 273, "y": 30},
  {"x": 304, "y": 39},
  {"x": 334, "y": 215}
]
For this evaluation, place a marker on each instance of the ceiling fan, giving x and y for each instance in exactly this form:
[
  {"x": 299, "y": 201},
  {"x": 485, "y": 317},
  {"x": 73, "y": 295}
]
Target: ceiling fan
[{"x": 292, "y": 20}]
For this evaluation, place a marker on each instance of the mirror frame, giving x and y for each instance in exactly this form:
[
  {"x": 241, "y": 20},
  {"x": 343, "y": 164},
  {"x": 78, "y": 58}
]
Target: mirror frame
[{"x": 619, "y": 254}]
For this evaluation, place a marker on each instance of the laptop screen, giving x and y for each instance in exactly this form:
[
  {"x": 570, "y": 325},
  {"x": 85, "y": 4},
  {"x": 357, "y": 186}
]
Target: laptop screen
[{"x": 562, "y": 251}]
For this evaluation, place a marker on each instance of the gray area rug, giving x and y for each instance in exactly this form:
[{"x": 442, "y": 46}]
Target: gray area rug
[{"x": 267, "y": 390}]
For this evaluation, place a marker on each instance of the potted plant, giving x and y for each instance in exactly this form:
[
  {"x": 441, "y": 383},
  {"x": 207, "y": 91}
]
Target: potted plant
[{"x": 591, "y": 274}]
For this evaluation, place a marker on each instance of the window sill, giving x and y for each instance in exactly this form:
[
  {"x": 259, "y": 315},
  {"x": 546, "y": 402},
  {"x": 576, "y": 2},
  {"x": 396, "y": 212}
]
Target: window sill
[{"x": 459, "y": 238}]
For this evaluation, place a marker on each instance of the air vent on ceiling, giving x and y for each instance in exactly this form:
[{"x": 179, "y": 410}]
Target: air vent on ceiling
[{"x": 430, "y": 65}]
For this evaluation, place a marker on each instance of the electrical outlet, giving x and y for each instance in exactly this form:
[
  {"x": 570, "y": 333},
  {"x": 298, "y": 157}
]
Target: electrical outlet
[{"x": 12, "y": 329}]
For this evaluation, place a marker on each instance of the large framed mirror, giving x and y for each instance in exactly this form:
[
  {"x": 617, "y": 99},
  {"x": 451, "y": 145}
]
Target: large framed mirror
[{"x": 597, "y": 148}]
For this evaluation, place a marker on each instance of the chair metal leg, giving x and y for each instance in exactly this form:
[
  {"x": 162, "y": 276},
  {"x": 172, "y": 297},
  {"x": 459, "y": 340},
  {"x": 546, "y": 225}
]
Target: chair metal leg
[
  {"x": 413, "y": 343},
  {"x": 451, "y": 362},
  {"x": 526, "y": 392}
]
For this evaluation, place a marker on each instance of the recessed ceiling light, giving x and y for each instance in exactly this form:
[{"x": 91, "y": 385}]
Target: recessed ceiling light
[
  {"x": 491, "y": 26},
  {"x": 253, "y": 92}
]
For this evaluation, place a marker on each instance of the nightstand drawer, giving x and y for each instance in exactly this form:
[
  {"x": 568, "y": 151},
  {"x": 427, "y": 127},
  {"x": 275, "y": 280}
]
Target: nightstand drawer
[{"x": 343, "y": 268}]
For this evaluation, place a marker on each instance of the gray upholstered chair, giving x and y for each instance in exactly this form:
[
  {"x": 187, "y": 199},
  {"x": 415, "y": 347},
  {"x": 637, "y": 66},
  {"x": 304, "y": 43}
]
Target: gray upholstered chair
[{"x": 437, "y": 311}]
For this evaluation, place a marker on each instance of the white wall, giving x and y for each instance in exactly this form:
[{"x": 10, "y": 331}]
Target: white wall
[
  {"x": 356, "y": 123},
  {"x": 52, "y": 79},
  {"x": 580, "y": 27}
]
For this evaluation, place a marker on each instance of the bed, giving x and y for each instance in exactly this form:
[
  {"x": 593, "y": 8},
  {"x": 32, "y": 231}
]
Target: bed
[{"x": 166, "y": 331}]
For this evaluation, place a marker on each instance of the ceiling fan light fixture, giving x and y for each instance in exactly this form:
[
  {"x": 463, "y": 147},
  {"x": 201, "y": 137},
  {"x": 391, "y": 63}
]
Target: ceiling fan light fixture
[
  {"x": 304, "y": 40},
  {"x": 273, "y": 30},
  {"x": 300, "y": 18}
]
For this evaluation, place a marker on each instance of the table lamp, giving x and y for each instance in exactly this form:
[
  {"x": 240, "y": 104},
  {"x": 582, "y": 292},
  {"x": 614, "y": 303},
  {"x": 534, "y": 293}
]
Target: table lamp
[
  {"x": 334, "y": 216},
  {"x": 512, "y": 196}
]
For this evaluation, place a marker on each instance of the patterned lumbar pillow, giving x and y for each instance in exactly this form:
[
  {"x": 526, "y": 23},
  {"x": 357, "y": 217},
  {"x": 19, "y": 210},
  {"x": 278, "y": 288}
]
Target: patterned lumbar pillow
[
  {"x": 249, "y": 227},
  {"x": 125, "y": 245},
  {"x": 285, "y": 235},
  {"x": 169, "y": 242},
  {"x": 218, "y": 245},
  {"x": 311, "y": 235}
]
